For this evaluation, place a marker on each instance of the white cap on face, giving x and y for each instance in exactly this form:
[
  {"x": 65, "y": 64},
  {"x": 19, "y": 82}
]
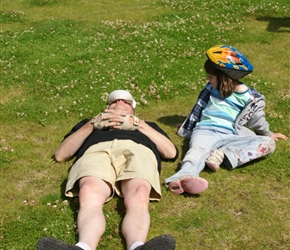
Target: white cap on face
[{"x": 121, "y": 94}]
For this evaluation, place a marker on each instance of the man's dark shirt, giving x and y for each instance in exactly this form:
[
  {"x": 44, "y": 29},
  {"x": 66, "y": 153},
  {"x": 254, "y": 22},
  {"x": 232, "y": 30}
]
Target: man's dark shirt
[{"x": 104, "y": 135}]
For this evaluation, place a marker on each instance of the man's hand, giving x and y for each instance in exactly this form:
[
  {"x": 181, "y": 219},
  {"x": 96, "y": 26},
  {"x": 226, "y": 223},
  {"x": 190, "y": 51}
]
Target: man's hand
[
  {"x": 131, "y": 122},
  {"x": 99, "y": 121},
  {"x": 107, "y": 119},
  {"x": 127, "y": 122},
  {"x": 116, "y": 119}
]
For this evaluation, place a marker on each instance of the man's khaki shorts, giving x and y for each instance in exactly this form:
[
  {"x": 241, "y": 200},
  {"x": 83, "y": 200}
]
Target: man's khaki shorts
[{"x": 113, "y": 162}]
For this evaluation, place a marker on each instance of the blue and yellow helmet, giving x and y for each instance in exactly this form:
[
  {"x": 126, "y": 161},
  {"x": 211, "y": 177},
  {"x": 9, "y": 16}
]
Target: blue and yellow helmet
[{"x": 230, "y": 61}]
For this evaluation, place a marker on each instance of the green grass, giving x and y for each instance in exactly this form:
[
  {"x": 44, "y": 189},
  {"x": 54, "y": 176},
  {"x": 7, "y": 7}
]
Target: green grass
[{"x": 60, "y": 59}]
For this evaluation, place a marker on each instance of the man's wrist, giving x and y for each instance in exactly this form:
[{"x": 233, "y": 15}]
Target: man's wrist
[
  {"x": 98, "y": 121},
  {"x": 136, "y": 120}
]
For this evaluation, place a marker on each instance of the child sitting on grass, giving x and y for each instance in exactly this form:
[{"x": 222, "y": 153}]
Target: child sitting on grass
[{"x": 216, "y": 124}]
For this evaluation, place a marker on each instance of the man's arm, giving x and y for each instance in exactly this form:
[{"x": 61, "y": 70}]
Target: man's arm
[
  {"x": 71, "y": 144},
  {"x": 165, "y": 147}
]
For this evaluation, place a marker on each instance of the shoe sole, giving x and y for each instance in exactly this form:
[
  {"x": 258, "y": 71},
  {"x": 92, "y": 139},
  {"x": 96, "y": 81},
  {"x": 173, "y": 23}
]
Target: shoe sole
[
  {"x": 191, "y": 185},
  {"x": 49, "y": 243},
  {"x": 175, "y": 187},
  {"x": 194, "y": 185},
  {"x": 162, "y": 242},
  {"x": 212, "y": 165}
]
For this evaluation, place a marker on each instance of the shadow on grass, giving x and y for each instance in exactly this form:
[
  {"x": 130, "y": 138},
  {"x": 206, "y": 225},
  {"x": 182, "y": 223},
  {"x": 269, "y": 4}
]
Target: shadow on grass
[
  {"x": 276, "y": 24},
  {"x": 172, "y": 120},
  {"x": 175, "y": 121}
]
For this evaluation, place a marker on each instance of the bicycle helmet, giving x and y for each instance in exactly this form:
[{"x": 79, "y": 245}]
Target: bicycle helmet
[{"x": 230, "y": 61}]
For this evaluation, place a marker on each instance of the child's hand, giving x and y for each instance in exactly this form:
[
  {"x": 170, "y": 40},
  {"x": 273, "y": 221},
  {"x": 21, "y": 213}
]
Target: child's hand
[{"x": 277, "y": 136}]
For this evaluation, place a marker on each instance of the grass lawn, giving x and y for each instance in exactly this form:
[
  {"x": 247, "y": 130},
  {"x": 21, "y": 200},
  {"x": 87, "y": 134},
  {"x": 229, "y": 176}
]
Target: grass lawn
[{"x": 59, "y": 61}]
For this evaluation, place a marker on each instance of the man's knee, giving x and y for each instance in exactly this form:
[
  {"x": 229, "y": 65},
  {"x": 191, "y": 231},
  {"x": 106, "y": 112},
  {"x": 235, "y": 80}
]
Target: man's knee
[
  {"x": 93, "y": 191},
  {"x": 86, "y": 190},
  {"x": 137, "y": 197}
]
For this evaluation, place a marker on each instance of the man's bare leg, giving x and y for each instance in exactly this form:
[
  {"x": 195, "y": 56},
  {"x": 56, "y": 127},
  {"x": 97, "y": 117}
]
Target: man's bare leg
[
  {"x": 91, "y": 221},
  {"x": 136, "y": 223}
]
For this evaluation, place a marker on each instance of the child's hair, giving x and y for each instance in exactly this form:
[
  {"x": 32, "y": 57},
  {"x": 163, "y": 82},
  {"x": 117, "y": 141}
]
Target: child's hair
[{"x": 226, "y": 86}]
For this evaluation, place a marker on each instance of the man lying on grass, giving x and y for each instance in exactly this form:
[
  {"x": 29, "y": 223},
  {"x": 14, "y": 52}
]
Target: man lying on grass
[{"x": 115, "y": 152}]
